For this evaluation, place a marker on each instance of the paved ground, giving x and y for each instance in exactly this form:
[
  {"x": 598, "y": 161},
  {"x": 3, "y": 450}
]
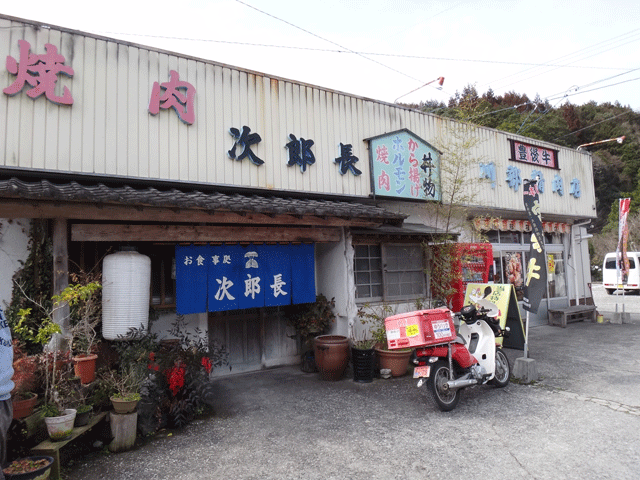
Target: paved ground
[
  {"x": 628, "y": 303},
  {"x": 581, "y": 420}
]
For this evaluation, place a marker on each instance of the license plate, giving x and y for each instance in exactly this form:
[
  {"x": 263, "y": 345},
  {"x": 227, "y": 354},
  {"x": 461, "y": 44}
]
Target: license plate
[{"x": 420, "y": 372}]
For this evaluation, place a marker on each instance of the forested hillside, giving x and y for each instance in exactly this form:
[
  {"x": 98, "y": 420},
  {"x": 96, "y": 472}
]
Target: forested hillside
[{"x": 616, "y": 165}]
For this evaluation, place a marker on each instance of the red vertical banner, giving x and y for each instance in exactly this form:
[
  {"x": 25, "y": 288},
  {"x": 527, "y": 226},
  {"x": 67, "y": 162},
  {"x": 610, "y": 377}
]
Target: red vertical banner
[{"x": 622, "y": 265}]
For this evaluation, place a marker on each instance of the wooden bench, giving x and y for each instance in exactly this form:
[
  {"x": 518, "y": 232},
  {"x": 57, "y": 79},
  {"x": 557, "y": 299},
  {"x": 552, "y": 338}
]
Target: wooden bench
[
  {"x": 52, "y": 449},
  {"x": 575, "y": 313}
]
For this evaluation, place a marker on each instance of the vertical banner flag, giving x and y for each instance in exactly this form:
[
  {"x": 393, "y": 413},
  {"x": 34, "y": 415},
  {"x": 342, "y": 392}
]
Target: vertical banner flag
[
  {"x": 535, "y": 283},
  {"x": 622, "y": 263}
]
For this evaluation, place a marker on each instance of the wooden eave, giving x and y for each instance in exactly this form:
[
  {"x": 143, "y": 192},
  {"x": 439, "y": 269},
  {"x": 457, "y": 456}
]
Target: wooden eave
[{"x": 21, "y": 208}]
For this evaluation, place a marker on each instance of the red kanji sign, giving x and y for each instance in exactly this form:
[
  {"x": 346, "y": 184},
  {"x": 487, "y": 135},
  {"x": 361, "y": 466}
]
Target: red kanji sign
[
  {"x": 39, "y": 71},
  {"x": 173, "y": 98}
]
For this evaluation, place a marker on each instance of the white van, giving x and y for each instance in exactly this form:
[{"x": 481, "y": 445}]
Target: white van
[{"x": 610, "y": 278}]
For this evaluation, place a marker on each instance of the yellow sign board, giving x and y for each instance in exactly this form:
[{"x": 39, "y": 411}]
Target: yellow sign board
[{"x": 500, "y": 299}]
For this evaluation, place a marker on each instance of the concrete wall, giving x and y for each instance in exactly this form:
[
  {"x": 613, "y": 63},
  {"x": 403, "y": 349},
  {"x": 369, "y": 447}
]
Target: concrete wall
[
  {"x": 334, "y": 279},
  {"x": 14, "y": 240}
]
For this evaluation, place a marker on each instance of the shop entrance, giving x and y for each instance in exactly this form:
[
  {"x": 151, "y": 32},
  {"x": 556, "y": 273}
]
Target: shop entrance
[{"x": 256, "y": 338}]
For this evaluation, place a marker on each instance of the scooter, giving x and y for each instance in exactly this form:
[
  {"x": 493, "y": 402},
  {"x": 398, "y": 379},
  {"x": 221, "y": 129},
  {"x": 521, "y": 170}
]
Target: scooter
[{"x": 472, "y": 358}]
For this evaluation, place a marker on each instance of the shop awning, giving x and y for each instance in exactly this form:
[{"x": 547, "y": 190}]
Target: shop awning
[
  {"x": 126, "y": 203},
  {"x": 405, "y": 232}
]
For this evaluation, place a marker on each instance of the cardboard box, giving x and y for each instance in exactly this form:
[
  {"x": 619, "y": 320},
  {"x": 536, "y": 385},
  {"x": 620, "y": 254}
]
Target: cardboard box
[{"x": 420, "y": 328}]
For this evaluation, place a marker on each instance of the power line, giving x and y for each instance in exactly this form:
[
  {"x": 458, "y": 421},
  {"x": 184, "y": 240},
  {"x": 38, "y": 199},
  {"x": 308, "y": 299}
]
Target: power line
[
  {"x": 327, "y": 40},
  {"x": 330, "y": 50},
  {"x": 604, "y": 86},
  {"x": 585, "y": 128},
  {"x": 618, "y": 38}
]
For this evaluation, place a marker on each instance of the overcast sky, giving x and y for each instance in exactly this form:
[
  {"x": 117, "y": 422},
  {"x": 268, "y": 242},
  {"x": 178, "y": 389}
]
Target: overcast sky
[{"x": 561, "y": 50}]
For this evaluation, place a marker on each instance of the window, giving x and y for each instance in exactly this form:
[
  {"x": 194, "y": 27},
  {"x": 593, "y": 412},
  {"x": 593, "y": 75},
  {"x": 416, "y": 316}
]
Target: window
[
  {"x": 163, "y": 275},
  {"x": 611, "y": 263},
  {"x": 556, "y": 278},
  {"x": 389, "y": 272},
  {"x": 511, "y": 237},
  {"x": 368, "y": 271},
  {"x": 512, "y": 266}
]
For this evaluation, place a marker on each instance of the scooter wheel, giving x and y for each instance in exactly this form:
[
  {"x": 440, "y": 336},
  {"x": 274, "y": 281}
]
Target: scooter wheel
[
  {"x": 445, "y": 398},
  {"x": 503, "y": 370}
]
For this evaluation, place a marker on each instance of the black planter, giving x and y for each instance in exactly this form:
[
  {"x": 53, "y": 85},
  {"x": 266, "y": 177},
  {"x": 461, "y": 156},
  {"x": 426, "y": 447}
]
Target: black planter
[
  {"x": 82, "y": 418},
  {"x": 363, "y": 364}
]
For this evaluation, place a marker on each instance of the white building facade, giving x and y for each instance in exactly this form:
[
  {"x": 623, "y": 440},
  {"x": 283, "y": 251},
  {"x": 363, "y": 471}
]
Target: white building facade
[{"x": 119, "y": 144}]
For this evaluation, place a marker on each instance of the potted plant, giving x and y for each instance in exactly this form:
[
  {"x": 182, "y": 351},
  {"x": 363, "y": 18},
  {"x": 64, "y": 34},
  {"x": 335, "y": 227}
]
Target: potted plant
[
  {"x": 30, "y": 468},
  {"x": 330, "y": 352},
  {"x": 362, "y": 358},
  {"x": 58, "y": 374},
  {"x": 77, "y": 396},
  {"x": 125, "y": 388},
  {"x": 311, "y": 320},
  {"x": 85, "y": 306},
  {"x": 83, "y": 414},
  {"x": 25, "y": 379},
  {"x": 395, "y": 360}
]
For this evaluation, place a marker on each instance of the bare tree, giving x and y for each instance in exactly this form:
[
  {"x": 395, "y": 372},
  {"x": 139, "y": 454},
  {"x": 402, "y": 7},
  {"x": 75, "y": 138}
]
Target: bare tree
[{"x": 460, "y": 156}]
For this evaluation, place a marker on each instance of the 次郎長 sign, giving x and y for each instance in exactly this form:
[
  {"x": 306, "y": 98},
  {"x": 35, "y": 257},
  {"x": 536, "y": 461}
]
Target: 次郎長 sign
[{"x": 215, "y": 278}]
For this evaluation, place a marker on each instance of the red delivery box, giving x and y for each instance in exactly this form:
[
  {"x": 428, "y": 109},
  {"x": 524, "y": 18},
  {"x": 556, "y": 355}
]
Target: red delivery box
[{"x": 420, "y": 328}]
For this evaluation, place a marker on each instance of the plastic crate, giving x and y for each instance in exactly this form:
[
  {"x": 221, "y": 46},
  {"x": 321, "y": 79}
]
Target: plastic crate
[{"x": 420, "y": 328}]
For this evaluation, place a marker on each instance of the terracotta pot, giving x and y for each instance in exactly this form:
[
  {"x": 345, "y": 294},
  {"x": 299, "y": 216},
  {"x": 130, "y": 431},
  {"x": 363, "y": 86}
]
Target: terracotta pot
[
  {"x": 84, "y": 367},
  {"x": 332, "y": 355},
  {"x": 24, "y": 408},
  {"x": 395, "y": 360}
]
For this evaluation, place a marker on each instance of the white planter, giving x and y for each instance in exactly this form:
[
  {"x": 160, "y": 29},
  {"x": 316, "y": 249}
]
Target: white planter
[{"x": 59, "y": 428}]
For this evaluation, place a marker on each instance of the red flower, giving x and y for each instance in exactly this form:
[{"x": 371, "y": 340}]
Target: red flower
[
  {"x": 175, "y": 377},
  {"x": 206, "y": 363}
]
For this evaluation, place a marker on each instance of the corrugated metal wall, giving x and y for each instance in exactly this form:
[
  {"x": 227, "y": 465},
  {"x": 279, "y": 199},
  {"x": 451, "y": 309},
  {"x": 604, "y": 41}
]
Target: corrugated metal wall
[{"x": 108, "y": 129}]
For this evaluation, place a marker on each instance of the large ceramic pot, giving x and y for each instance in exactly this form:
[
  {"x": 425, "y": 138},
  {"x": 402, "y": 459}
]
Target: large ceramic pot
[
  {"x": 84, "y": 367},
  {"x": 24, "y": 407},
  {"x": 332, "y": 355},
  {"x": 60, "y": 428},
  {"x": 23, "y": 464},
  {"x": 363, "y": 361},
  {"x": 395, "y": 360}
]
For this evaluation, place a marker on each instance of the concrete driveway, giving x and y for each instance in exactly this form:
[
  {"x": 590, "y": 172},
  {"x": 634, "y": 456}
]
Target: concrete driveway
[{"x": 580, "y": 420}]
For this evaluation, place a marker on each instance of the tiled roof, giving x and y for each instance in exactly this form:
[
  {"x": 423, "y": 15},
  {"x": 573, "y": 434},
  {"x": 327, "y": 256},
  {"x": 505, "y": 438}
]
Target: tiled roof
[{"x": 190, "y": 199}]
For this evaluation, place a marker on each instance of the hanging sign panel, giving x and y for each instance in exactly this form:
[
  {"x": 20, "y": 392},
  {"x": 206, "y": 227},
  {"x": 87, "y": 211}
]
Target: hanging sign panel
[
  {"x": 230, "y": 277},
  {"x": 404, "y": 166}
]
